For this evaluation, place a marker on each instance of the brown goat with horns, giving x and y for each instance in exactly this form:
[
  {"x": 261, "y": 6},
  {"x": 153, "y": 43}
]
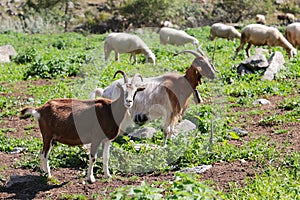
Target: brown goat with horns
[{"x": 77, "y": 122}]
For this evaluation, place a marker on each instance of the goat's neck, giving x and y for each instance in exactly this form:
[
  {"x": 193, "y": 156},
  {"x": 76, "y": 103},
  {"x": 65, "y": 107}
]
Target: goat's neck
[
  {"x": 192, "y": 77},
  {"x": 118, "y": 109}
]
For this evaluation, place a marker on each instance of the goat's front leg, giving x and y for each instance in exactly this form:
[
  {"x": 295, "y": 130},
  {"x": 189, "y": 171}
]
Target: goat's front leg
[
  {"x": 93, "y": 157},
  {"x": 106, "y": 148},
  {"x": 117, "y": 57},
  {"x": 168, "y": 126}
]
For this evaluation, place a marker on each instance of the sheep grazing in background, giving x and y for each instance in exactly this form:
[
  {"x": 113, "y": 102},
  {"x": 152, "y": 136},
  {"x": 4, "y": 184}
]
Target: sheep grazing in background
[
  {"x": 286, "y": 18},
  {"x": 260, "y": 19},
  {"x": 176, "y": 37},
  {"x": 169, "y": 24},
  {"x": 224, "y": 31},
  {"x": 292, "y": 34},
  {"x": 167, "y": 95},
  {"x": 259, "y": 35},
  {"x": 78, "y": 122},
  {"x": 127, "y": 43}
]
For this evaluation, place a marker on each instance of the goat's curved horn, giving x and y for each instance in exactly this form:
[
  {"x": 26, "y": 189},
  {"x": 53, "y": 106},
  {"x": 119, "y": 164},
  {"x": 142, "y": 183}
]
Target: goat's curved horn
[
  {"x": 201, "y": 51},
  {"x": 124, "y": 75},
  {"x": 195, "y": 53},
  {"x": 134, "y": 78}
]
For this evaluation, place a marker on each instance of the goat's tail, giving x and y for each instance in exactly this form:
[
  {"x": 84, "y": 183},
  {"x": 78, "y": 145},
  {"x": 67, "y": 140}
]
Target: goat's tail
[
  {"x": 140, "y": 118},
  {"x": 26, "y": 112},
  {"x": 96, "y": 92}
]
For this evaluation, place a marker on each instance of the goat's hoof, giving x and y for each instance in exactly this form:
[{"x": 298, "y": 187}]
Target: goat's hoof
[
  {"x": 91, "y": 179},
  {"x": 49, "y": 178},
  {"x": 107, "y": 176}
]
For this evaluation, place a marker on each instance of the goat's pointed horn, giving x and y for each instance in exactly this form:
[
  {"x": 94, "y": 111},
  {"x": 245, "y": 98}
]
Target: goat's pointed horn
[
  {"x": 201, "y": 51},
  {"x": 124, "y": 75},
  {"x": 195, "y": 53},
  {"x": 134, "y": 78}
]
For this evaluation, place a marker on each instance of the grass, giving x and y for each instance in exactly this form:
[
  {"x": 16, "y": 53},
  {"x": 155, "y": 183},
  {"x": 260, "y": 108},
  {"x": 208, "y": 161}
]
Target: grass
[{"x": 188, "y": 149}]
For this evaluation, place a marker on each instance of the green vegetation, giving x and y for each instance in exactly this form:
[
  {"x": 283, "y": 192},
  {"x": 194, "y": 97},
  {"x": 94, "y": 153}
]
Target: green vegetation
[{"x": 72, "y": 65}]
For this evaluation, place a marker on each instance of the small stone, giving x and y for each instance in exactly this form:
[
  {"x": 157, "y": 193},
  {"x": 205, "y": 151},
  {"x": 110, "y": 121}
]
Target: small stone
[
  {"x": 262, "y": 102},
  {"x": 198, "y": 169}
]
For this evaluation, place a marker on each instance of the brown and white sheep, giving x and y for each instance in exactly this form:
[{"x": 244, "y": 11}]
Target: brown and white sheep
[
  {"x": 259, "y": 35},
  {"x": 77, "y": 122},
  {"x": 292, "y": 34}
]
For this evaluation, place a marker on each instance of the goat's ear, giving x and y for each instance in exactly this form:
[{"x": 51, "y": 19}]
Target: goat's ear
[
  {"x": 139, "y": 89},
  {"x": 119, "y": 85}
]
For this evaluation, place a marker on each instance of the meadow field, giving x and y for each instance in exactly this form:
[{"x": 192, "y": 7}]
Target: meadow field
[{"x": 263, "y": 164}]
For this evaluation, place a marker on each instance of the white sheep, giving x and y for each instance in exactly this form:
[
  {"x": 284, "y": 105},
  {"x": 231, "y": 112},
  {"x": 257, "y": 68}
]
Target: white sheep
[
  {"x": 167, "y": 95},
  {"x": 259, "y": 35},
  {"x": 292, "y": 34},
  {"x": 176, "y": 37},
  {"x": 260, "y": 19},
  {"x": 127, "y": 43},
  {"x": 224, "y": 31},
  {"x": 78, "y": 122}
]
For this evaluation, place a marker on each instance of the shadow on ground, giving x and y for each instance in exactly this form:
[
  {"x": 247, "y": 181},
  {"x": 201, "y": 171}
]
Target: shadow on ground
[{"x": 27, "y": 187}]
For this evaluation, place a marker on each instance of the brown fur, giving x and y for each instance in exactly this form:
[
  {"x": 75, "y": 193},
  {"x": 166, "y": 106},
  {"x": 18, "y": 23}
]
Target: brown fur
[{"x": 77, "y": 122}]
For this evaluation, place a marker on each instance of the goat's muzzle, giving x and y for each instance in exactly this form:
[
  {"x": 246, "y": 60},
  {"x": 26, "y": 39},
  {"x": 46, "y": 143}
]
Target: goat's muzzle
[{"x": 140, "y": 118}]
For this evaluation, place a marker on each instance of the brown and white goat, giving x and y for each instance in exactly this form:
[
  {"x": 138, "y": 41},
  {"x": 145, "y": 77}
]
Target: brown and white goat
[
  {"x": 77, "y": 122},
  {"x": 167, "y": 95}
]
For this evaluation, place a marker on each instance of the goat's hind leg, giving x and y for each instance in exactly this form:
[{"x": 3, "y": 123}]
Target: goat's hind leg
[{"x": 44, "y": 162}]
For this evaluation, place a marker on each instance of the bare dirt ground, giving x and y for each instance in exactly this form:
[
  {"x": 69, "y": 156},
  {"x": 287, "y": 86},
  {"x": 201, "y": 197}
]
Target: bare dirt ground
[{"x": 72, "y": 180}]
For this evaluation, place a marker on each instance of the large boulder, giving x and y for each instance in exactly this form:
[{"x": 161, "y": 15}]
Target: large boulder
[
  {"x": 276, "y": 63},
  {"x": 259, "y": 62},
  {"x": 254, "y": 63},
  {"x": 5, "y": 52}
]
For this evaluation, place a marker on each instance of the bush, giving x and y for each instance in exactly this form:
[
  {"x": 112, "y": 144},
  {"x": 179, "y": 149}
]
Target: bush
[
  {"x": 28, "y": 56},
  {"x": 55, "y": 68}
]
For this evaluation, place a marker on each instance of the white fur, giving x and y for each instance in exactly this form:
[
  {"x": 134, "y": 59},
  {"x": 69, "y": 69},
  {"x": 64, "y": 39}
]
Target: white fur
[
  {"x": 292, "y": 33},
  {"x": 127, "y": 43},
  {"x": 175, "y": 37},
  {"x": 224, "y": 31}
]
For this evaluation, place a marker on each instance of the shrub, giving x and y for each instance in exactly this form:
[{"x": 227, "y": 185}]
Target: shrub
[{"x": 55, "y": 68}]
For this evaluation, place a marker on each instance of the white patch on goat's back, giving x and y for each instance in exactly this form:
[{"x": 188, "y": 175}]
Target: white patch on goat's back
[{"x": 36, "y": 114}]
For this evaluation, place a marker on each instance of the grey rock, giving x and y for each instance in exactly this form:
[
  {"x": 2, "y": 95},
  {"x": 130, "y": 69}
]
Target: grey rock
[
  {"x": 18, "y": 150},
  {"x": 198, "y": 169},
  {"x": 276, "y": 63},
  {"x": 239, "y": 132},
  {"x": 253, "y": 63},
  {"x": 5, "y": 52},
  {"x": 185, "y": 126},
  {"x": 146, "y": 146},
  {"x": 262, "y": 101},
  {"x": 146, "y": 132},
  {"x": 256, "y": 62}
]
